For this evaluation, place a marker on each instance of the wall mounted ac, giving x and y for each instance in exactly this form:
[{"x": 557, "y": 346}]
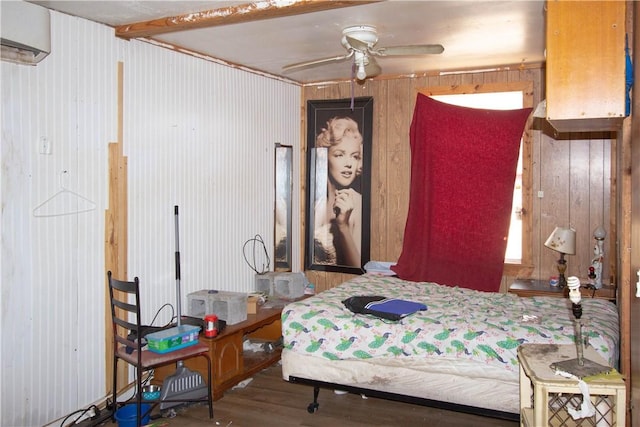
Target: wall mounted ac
[{"x": 25, "y": 33}]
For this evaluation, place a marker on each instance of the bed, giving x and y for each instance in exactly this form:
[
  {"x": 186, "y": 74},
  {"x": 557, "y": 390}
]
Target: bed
[{"x": 458, "y": 354}]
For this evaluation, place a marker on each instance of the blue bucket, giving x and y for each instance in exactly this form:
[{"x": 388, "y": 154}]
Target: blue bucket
[{"x": 126, "y": 416}]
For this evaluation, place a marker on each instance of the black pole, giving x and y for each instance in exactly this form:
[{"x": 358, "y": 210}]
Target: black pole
[{"x": 177, "y": 257}]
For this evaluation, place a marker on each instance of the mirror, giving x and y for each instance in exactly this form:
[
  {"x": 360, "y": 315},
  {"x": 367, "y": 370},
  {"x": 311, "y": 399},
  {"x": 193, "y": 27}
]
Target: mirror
[{"x": 283, "y": 188}]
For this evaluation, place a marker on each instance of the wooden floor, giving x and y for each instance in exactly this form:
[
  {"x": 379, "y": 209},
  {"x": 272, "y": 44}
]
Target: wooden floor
[{"x": 269, "y": 401}]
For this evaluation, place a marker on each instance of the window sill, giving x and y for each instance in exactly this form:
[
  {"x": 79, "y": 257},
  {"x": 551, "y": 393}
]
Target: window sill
[{"x": 517, "y": 270}]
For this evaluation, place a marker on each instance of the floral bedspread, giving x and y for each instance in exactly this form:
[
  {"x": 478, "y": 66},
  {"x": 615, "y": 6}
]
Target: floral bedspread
[{"x": 458, "y": 323}]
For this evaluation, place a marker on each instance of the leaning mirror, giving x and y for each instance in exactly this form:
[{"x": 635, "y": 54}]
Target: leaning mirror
[{"x": 283, "y": 186}]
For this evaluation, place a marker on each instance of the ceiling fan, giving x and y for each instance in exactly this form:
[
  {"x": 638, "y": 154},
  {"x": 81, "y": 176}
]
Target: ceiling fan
[{"x": 360, "y": 41}]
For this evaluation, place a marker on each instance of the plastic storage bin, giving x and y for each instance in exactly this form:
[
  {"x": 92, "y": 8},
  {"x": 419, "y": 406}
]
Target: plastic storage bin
[
  {"x": 228, "y": 306},
  {"x": 173, "y": 338}
]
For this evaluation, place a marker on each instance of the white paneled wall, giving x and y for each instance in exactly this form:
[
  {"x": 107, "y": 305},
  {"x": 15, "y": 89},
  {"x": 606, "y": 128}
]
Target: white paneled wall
[
  {"x": 202, "y": 137},
  {"x": 197, "y": 134}
]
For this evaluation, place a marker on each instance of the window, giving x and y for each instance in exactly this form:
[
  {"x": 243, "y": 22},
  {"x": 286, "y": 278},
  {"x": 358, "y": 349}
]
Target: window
[{"x": 507, "y": 96}]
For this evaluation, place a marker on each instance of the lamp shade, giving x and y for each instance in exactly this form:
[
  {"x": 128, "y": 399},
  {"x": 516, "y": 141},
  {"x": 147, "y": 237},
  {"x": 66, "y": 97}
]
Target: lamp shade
[
  {"x": 562, "y": 240},
  {"x": 599, "y": 233}
]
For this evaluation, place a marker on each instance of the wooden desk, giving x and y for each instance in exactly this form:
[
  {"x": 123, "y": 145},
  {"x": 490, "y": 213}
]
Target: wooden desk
[
  {"x": 229, "y": 363},
  {"x": 537, "y": 288}
]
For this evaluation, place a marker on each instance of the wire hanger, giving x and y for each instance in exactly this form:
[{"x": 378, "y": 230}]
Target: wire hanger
[{"x": 88, "y": 205}]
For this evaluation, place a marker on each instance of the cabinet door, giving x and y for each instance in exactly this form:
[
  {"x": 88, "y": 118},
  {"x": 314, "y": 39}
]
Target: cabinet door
[
  {"x": 227, "y": 358},
  {"x": 585, "y": 65}
]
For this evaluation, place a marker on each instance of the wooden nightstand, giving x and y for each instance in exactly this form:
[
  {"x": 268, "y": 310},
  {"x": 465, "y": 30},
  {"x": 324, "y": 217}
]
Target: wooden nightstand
[
  {"x": 545, "y": 396},
  {"x": 539, "y": 288}
]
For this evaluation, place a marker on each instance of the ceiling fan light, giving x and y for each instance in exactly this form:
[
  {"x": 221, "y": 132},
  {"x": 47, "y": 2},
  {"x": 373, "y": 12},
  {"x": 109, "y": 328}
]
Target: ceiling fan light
[
  {"x": 365, "y": 34},
  {"x": 361, "y": 74}
]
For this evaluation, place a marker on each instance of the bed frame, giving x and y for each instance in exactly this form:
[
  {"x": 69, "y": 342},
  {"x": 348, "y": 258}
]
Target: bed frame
[{"x": 317, "y": 385}]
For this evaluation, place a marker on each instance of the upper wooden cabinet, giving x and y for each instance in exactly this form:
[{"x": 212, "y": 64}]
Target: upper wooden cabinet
[{"x": 585, "y": 65}]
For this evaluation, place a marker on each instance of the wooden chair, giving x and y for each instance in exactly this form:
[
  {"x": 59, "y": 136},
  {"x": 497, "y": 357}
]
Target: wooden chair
[{"x": 127, "y": 345}]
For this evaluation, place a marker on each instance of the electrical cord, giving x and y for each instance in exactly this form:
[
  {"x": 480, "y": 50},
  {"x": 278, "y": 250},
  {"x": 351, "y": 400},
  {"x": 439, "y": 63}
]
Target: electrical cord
[
  {"x": 254, "y": 267},
  {"x": 592, "y": 288},
  {"x": 173, "y": 313},
  {"x": 82, "y": 413},
  {"x": 146, "y": 381}
]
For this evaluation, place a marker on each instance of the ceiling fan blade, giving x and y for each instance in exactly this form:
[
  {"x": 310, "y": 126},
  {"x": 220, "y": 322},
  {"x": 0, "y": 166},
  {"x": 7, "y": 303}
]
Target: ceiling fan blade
[
  {"x": 417, "y": 49},
  {"x": 372, "y": 68},
  {"x": 314, "y": 62}
]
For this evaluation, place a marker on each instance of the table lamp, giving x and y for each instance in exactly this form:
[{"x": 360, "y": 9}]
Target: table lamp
[
  {"x": 580, "y": 367},
  {"x": 562, "y": 240}
]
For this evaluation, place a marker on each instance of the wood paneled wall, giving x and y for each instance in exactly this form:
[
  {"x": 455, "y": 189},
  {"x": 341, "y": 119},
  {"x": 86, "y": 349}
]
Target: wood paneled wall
[{"x": 571, "y": 176}]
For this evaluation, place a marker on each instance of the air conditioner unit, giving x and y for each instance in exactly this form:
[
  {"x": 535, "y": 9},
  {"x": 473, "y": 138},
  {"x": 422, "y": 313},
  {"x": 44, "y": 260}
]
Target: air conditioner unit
[{"x": 25, "y": 34}]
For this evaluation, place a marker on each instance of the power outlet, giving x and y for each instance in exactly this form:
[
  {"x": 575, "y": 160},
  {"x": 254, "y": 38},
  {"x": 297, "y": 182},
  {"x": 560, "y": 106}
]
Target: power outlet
[
  {"x": 103, "y": 418},
  {"x": 44, "y": 145}
]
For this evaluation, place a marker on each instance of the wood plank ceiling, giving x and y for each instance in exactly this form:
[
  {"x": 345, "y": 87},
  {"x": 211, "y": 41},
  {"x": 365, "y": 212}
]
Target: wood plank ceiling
[{"x": 265, "y": 36}]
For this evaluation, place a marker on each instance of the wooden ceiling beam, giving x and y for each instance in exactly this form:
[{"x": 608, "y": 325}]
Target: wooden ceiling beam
[{"x": 231, "y": 15}]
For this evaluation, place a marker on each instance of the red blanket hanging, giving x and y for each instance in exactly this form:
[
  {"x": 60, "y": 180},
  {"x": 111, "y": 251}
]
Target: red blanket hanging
[{"x": 463, "y": 167}]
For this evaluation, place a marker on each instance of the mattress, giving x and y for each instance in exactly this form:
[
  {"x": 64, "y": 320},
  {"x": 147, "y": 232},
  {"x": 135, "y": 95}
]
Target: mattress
[
  {"x": 443, "y": 381},
  {"x": 462, "y": 349}
]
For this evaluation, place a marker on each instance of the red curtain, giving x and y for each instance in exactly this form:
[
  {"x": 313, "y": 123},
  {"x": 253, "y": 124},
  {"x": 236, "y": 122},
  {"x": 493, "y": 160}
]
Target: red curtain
[{"x": 463, "y": 167}]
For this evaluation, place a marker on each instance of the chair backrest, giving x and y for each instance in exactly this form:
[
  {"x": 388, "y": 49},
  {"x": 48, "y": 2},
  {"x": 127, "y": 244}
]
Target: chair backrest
[{"x": 123, "y": 309}]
